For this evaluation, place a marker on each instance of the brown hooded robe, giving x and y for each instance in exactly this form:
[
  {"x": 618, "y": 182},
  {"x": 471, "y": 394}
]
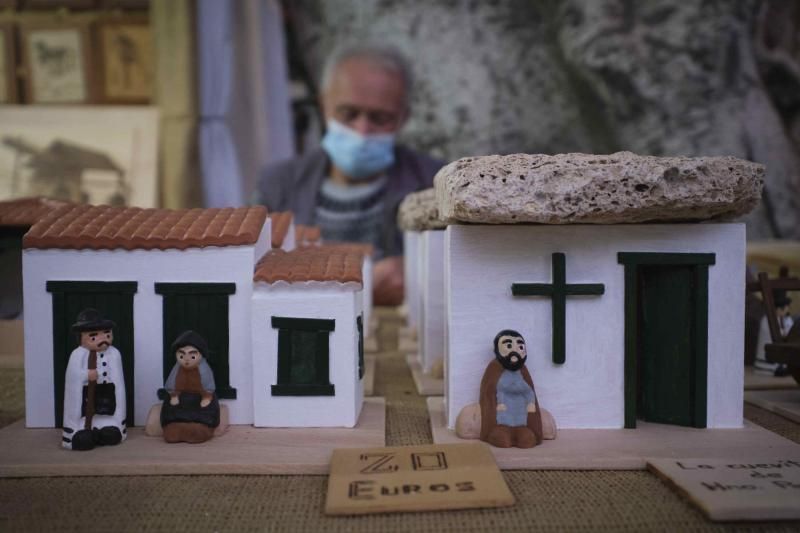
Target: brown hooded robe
[{"x": 488, "y": 401}]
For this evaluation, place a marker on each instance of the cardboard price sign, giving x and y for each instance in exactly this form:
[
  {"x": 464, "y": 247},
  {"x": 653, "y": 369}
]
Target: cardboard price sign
[
  {"x": 415, "y": 478},
  {"x": 753, "y": 488}
]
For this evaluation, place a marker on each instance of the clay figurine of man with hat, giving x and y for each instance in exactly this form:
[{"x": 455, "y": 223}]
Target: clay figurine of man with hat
[{"x": 94, "y": 386}]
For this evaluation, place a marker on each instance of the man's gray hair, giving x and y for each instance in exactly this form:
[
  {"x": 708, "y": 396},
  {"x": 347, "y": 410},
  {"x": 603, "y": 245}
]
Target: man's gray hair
[{"x": 384, "y": 56}]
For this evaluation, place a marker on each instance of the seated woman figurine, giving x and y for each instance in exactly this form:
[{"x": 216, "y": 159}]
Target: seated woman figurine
[{"x": 190, "y": 411}]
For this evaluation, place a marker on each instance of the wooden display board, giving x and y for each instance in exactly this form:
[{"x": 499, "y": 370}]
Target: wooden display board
[
  {"x": 241, "y": 450},
  {"x": 369, "y": 375},
  {"x": 783, "y": 402},
  {"x": 755, "y": 380},
  {"x": 750, "y": 487},
  {"x": 624, "y": 449},
  {"x": 427, "y": 385},
  {"x": 407, "y": 340},
  {"x": 415, "y": 478}
]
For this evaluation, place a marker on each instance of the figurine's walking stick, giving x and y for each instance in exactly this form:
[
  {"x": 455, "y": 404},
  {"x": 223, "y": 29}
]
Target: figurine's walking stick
[{"x": 90, "y": 391}]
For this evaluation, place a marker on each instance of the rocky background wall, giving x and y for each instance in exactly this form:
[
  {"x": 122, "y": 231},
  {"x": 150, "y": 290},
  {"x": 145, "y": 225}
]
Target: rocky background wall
[{"x": 660, "y": 77}]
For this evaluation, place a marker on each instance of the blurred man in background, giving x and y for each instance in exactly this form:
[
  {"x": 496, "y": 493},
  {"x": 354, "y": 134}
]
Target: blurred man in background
[{"x": 352, "y": 184}]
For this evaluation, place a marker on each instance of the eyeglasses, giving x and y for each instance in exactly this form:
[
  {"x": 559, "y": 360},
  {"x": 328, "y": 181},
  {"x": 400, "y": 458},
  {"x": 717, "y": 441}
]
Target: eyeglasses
[{"x": 348, "y": 114}]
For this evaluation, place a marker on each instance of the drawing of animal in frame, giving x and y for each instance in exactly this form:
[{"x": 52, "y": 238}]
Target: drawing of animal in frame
[{"x": 57, "y": 64}]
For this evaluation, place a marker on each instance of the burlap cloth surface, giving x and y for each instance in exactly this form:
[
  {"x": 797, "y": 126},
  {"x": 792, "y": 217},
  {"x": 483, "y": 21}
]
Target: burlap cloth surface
[{"x": 546, "y": 500}]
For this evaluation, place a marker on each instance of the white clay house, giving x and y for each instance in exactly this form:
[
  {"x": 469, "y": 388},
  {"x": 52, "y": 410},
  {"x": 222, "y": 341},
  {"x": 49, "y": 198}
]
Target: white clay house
[
  {"x": 622, "y": 322},
  {"x": 307, "y": 308},
  {"x": 411, "y": 273},
  {"x": 156, "y": 273},
  {"x": 431, "y": 332},
  {"x": 423, "y": 235}
]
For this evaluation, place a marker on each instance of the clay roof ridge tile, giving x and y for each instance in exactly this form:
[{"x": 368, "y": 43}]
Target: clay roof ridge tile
[
  {"x": 176, "y": 226},
  {"x": 231, "y": 223},
  {"x": 254, "y": 222},
  {"x": 102, "y": 228}
]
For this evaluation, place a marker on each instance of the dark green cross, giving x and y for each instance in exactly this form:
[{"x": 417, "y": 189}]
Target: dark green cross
[{"x": 558, "y": 292}]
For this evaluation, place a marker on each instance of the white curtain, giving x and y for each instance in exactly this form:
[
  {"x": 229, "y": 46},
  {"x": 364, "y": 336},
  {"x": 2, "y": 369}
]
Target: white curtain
[
  {"x": 219, "y": 161},
  {"x": 245, "y": 119},
  {"x": 275, "y": 78}
]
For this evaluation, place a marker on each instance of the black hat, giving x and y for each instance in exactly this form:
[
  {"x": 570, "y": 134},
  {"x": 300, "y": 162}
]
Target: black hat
[
  {"x": 780, "y": 298},
  {"x": 190, "y": 338},
  {"x": 91, "y": 320}
]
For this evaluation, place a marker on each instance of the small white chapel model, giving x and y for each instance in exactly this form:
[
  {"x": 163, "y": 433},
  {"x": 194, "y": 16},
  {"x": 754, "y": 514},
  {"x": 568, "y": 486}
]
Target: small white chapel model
[
  {"x": 632, "y": 308},
  {"x": 424, "y": 236}
]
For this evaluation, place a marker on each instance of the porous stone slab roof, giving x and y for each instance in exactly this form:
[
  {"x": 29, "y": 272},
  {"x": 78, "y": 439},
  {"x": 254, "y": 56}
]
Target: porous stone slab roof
[
  {"x": 419, "y": 212},
  {"x": 281, "y": 221},
  {"x": 25, "y": 212},
  {"x": 596, "y": 189},
  {"x": 133, "y": 228},
  {"x": 324, "y": 263}
]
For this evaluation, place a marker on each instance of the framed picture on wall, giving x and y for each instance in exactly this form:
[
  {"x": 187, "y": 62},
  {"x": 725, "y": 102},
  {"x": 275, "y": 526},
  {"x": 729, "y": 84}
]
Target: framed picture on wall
[
  {"x": 87, "y": 154},
  {"x": 8, "y": 66},
  {"x": 57, "y": 62},
  {"x": 125, "y": 61}
]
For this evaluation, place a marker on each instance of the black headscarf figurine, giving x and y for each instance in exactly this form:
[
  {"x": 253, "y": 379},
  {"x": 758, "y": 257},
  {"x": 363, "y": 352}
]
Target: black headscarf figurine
[{"x": 191, "y": 410}]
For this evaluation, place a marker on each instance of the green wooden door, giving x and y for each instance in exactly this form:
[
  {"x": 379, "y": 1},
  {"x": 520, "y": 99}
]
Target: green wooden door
[
  {"x": 203, "y": 308},
  {"x": 666, "y": 358},
  {"x": 112, "y": 299},
  {"x": 666, "y": 337}
]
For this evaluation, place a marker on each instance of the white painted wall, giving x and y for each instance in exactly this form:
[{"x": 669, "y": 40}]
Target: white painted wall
[
  {"x": 232, "y": 264},
  {"x": 588, "y": 390},
  {"x": 431, "y": 340},
  {"x": 288, "y": 243},
  {"x": 411, "y": 275},
  {"x": 340, "y": 303},
  {"x": 366, "y": 293}
]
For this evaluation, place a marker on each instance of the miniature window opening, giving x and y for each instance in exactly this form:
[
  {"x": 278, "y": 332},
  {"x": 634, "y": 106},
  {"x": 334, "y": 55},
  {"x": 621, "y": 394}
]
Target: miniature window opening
[
  {"x": 303, "y": 357},
  {"x": 360, "y": 327},
  {"x": 200, "y": 307},
  {"x": 115, "y": 300}
]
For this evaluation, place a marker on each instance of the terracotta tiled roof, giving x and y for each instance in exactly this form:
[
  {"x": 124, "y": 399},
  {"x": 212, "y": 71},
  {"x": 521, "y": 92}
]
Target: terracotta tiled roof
[
  {"x": 26, "y": 211},
  {"x": 310, "y": 264},
  {"x": 105, "y": 227},
  {"x": 306, "y": 234},
  {"x": 357, "y": 247},
  {"x": 280, "y": 227}
]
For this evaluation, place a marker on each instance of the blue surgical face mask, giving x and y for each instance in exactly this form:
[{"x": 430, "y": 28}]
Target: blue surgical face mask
[{"x": 358, "y": 156}]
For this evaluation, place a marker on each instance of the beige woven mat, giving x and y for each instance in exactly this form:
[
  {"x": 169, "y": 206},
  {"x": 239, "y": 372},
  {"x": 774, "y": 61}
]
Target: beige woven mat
[{"x": 546, "y": 500}]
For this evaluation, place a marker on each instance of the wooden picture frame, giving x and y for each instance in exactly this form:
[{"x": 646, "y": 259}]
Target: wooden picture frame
[
  {"x": 57, "y": 64},
  {"x": 60, "y": 4},
  {"x": 125, "y": 61},
  {"x": 80, "y": 153},
  {"x": 8, "y": 65}
]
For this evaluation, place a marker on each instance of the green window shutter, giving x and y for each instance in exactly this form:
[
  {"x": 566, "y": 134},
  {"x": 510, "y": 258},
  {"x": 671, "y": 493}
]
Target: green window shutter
[
  {"x": 112, "y": 298},
  {"x": 203, "y": 308},
  {"x": 303, "y": 357}
]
